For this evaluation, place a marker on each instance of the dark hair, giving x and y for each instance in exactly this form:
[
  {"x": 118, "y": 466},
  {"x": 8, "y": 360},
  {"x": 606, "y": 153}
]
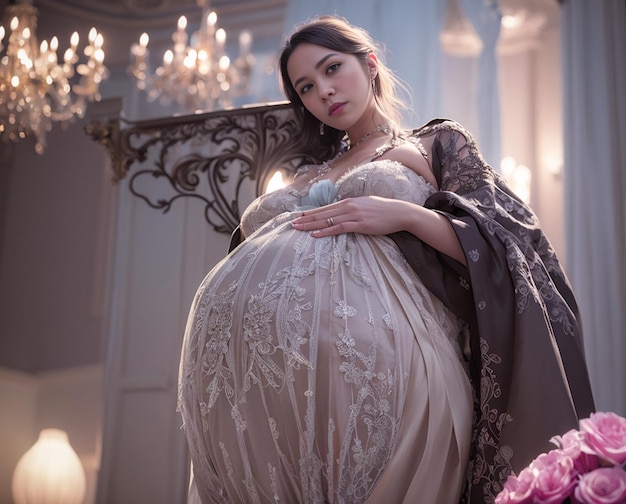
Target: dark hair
[{"x": 337, "y": 34}]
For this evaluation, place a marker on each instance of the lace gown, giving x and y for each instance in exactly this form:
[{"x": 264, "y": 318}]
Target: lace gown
[{"x": 320, "y": 370}]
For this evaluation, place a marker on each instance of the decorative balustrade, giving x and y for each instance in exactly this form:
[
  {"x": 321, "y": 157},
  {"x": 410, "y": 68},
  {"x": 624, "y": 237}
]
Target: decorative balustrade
[{"x": 223, "y": 159}]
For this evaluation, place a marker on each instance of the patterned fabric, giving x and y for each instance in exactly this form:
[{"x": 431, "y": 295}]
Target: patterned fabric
[
  {"x": 526, "y": 364},
  {"x": 322, "y": 370},
  {"x": 527, "y": 367}
]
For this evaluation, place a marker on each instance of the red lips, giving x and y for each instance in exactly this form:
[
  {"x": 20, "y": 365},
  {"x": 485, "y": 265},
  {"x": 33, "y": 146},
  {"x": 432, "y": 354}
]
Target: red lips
[{"x": 336, "y": 108}]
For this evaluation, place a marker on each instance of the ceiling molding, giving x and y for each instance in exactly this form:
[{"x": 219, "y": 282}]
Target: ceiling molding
[{"x": 146, "y": 14}]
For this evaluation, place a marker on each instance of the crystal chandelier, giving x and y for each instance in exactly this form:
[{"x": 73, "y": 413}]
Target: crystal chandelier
[
  {"x": 196, "y": 73},
  {"x": 36, "y": 89}
]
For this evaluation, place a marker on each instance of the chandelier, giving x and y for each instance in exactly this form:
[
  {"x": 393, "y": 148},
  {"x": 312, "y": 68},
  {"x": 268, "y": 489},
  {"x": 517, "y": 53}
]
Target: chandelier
[
  {"x": 195, "y": 73},
  {"x": 36, "y": 89}
]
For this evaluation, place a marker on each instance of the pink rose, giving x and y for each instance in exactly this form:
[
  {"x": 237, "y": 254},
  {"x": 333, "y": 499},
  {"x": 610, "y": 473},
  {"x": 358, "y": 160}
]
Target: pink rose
[
  {"x": 605, "y": 436},
  {"x": 571, "y": 445},
  {"x": 555, "y": 477},
  {"x": 517, "y": 489},
  {"x": 606, "y": 485}
]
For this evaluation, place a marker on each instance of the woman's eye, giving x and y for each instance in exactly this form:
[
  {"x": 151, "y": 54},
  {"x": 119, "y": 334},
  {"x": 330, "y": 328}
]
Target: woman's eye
[
  {"x": 333, "y": 67},
  {"x": 305, "y": 88}
]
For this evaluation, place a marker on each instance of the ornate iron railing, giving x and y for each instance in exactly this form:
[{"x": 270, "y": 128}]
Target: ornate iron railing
[{"x": 213, "y": 157}]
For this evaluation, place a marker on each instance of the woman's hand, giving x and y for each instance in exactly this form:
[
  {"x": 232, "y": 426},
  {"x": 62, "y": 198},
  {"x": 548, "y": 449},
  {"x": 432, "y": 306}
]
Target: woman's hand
[
  {"x": 371, "y": 215},
  {"x": 374, "y": 215}
]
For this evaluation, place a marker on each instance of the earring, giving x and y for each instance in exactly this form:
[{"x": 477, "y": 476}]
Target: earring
[{"x": 322, "y": 131}]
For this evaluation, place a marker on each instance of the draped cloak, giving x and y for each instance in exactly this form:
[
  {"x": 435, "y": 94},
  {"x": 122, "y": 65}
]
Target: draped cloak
[
  {"x": 526, "y": 353},
  {"x": 524, "y": 346}
]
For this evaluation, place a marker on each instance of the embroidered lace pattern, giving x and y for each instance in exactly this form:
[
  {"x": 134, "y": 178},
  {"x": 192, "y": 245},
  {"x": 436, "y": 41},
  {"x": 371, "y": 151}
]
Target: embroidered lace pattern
[
  {"x": 533, "y": 269},
  {"x": 324, "y": 329}
]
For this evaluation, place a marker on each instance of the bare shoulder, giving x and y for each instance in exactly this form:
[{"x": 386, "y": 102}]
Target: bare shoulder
[{"x": 410, "y": 156}]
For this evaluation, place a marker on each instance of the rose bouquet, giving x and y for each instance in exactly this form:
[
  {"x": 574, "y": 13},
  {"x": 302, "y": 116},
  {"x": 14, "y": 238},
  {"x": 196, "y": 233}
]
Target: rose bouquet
[{"x": 588, "y": 467}]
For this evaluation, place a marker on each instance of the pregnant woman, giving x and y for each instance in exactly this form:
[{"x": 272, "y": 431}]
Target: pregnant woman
[{"x": 325, "y": 358}]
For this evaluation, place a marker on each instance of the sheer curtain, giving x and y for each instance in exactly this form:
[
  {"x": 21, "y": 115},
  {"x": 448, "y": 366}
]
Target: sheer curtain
[
  {"x": 594, "y": 71},
  {"x": 485, "y": 18}
]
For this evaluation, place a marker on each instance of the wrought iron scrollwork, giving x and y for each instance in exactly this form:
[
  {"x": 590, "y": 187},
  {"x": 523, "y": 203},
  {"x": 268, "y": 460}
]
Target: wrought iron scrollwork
[{"x": 220, "y": 158}]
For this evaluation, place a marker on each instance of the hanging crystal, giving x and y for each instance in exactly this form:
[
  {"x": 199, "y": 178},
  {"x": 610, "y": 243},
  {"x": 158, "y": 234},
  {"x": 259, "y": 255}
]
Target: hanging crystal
[{"x": 36, "y": 88}]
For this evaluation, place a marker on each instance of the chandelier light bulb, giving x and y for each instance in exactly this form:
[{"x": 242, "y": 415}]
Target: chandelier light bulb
[
  {"x": 224, "y": 63},
  {"x": 245, "y": 41},
  {"x": 220, "y": 37},
  {"x": 144, "y": 40}
]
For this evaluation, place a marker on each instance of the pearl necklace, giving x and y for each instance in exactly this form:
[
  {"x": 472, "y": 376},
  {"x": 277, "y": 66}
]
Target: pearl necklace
[{"x": 381, "y": 127}]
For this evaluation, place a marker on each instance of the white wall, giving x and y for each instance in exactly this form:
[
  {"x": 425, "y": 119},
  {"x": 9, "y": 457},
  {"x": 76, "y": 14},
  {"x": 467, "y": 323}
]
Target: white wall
[
  {"x": 548, "y": 176},
  {"x": 531, "y": 115},
  {"x": 53, "y": 262}
]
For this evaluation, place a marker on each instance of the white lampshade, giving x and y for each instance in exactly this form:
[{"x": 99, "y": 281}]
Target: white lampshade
[{"x": 49, "y": 472}]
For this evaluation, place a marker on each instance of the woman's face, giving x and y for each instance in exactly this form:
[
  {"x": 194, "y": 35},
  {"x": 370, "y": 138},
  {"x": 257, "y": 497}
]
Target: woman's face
[{"x": 333, "y": 86}]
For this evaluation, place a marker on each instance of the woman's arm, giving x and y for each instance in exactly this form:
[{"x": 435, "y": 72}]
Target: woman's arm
[{"x": 382, "y": 216}]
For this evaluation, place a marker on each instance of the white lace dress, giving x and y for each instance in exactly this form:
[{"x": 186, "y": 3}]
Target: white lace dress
[{"x": 320, "y": 370}]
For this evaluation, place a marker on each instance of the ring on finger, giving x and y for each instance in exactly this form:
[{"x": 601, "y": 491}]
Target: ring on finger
[{"x": 330, "y": 222}]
